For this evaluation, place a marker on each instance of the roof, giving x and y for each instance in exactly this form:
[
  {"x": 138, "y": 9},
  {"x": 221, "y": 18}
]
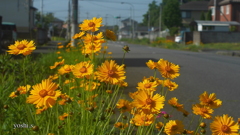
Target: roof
[
  {"x": 214, "y": 23},
  {"x": 228, "y": 1},
  {"x": 195, "y": 5},
  {"x": 128, "y": 19},
  {"x": 57, "y": 20},
  {"x": 211, "y": 2}
]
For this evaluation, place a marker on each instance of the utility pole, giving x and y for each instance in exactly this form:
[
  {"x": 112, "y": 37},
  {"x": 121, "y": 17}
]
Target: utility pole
[
  {"x": 74, "y": 22},
  {"x": 160, "y": 19},
  {"x": 41, "y": 18},
  {"x": 68, "y": 22},
  {"x": 215, "y": 4},
  {"x": 149, "y": 29}
]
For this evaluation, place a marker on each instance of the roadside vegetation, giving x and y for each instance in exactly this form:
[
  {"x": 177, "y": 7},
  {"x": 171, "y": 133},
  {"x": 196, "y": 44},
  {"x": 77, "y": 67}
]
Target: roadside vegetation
[
  {"x": 189, "y": 46},
  {"x": 78, "y": 91}
]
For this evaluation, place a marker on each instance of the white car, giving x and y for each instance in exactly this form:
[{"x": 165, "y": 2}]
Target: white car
[{"x": 178, "y": 39}]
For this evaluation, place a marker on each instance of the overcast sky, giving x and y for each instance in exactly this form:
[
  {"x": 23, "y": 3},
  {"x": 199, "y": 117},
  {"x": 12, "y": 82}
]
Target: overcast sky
[{"x": 97, "y": 8}]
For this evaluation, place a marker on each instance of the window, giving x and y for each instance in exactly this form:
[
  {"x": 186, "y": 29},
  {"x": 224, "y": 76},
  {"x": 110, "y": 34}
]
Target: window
[
  {"x": 227, "y": 9},
  {"x": 186, "y": 14},
  {"x": 222, "y": 10}
]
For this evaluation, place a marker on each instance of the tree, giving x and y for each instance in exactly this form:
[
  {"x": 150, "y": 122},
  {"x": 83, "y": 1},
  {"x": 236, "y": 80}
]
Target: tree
[
  {"x": 172, "y": 14},
  {"x": 153, "y": 11},
  {"x": 46, "y": 19},
  {"x": 202, "y": 17},
  {"x": 209, "y": 15}
]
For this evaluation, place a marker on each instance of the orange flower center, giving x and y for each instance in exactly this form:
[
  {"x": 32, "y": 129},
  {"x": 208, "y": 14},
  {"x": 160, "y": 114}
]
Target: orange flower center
[
  {"x": 43, "y": 93},
  {"x": 144, "y": 118},
  {"x": 92, "y": 47},
  {"x": 147, "y": 85},
  {"x": 168, "y": 69},
  {"x": 204, "y": 110},
  {"x": 225, "y": 128},
  {"x": 174, "y": 127},
  {"x": 21, "y": 46},
  {"x": 209, "y": 101},
  {"x": 110, "y": 73},
  {"x": 91, "y": 24},
  {"x": 149, "y": 101},
  {"x": 83, "y": 69}
]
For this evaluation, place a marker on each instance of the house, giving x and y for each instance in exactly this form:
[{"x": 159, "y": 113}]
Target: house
[
  {"x": 127, "y": 28},
  {"x": 20, "y": 12},
  {"x": 192, "y": 11},
  {"x": 213, "y": 25}
]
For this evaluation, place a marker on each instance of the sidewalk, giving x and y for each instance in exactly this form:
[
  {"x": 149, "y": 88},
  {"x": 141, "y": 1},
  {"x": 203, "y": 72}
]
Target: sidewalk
[{"x": 235, "y": 53}]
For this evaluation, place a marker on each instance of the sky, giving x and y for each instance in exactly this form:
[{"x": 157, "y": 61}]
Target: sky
[{"x": 107, "y": 9}]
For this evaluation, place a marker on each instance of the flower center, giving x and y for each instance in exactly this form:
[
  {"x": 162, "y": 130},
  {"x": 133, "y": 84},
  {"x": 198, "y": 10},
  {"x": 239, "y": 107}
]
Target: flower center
[
  {"x": 91, "y": 24},
  {"x": 21, "y": 46},
  {"x": 92, "y": 47},
  {"x": 174, "y": 127},
  {"x": 110, "y": 73},
  {"x": 83, "y": 69},
  {"x": 204, "y": 110},
  {"x": 43, "y": 93},
  {"x": 209, "y": 101},
  {"x": 225, "y": 128},
  {"x": 144, "y": 118},
  {"x": 149, "y": 101},
  {"x": 168, "y": 69},
  {"x": 147, "y": 85}
]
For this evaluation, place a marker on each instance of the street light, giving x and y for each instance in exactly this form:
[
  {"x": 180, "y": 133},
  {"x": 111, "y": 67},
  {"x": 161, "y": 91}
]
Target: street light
[{"x": 132, "y": 17}]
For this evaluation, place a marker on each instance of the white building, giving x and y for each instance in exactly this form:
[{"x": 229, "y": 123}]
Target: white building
[{"x": 20, "y": 12}]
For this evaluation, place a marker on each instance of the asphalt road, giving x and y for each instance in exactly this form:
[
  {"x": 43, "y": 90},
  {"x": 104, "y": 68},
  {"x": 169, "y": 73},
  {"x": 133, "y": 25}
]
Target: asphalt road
[{"x": 200, "y": 71}]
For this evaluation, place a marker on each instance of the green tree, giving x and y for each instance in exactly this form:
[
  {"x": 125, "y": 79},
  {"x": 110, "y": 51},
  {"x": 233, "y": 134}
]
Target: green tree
[
  {"x": 46, "y": 19},
  {"x": 152, "y": 14},
  {"x": 202, "y": 17},
  {"x": 172, "y": 15},
  {"x": 209, "y": 15}
]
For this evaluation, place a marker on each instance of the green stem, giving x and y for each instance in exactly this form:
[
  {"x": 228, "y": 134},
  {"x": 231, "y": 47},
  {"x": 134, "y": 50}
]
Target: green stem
[{"x": 200, "y": 120}]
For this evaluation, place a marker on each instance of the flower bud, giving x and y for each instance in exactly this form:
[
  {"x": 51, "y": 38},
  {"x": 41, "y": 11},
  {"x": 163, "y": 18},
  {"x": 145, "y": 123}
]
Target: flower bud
[
  {"x": 124, "y": 117},
  {"x": 126, "y": 48},
  {"x": 202, "y": 125},
  {"x": 5, "y": 106},
  {"x": 35, "y": 128},
  {"x": 166, "y": 116},
  {"x": 203, "y": 131}
]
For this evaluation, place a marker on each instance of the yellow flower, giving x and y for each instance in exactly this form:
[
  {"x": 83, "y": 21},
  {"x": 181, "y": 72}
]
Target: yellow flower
[
  {"x": 110, "y": 72},
  {"x": 44, "y": 94},
  {"x": 22, "y": 47},
  {"x": 82, "y": 69},
  {"x": 152, "y": 79},
  {"x": 147, "y": 85},
  {"x": 57, "y": 64},
  {"x": 152, "y": 65},
  {"x": 120, "y": 125},
  {"x": 58, "y": 52},
  {"x": 90, "y": 86},
  {"x": 59, "y": 43},
  {"x": 159, "y": 126},
  {"x": 110, "y": 35},
  {"x": 174, "y": 103},
  {"x": 170, "y": 85},
  {"x": 203, "y": 111},
  {"x": 167, "y": 69},
  {"x": 124, "y": 105},
  {"x": 142, "y": 119},
  {"x": 78, "y": 35},
  {"x": 92, "y": 25},
  {"x": 147, "y": 102},
  {"x": 59, "y": 57},
  {"x": 20, "y": 90},
  {"x": 94, "y": 38},
  {"x": 65, "y": 69},
  {"x": 61, "y": 46},
  {"x": 53, "y": 77},
  {"x": 210, "y": 100},
  {"x": 224, "y": 125},
  {"x": 62, "y": 117},
  {"x": 174, "y": 127},
  {"x": 40, "y": 110},
  {"x": 92, "y": 48}
]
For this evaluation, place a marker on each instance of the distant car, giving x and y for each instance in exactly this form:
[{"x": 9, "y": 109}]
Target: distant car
[
  {"x": 8, "y": 35},
  {"x": 178, "y": 39}
]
